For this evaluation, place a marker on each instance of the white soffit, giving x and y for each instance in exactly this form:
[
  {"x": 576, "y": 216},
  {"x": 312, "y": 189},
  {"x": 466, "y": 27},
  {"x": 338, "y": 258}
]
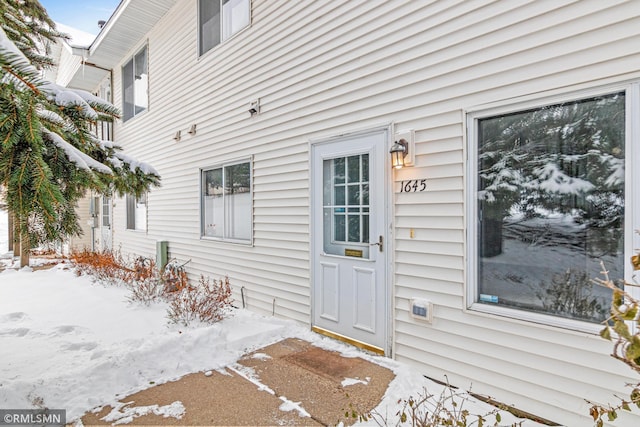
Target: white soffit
[{"x": 130, "y": 22}]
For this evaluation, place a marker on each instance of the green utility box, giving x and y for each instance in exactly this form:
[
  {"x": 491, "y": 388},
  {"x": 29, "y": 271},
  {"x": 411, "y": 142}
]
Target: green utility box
[{"x": 162, "y": 254}]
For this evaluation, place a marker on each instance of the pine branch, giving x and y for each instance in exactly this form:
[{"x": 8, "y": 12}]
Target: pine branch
[
  {"x": 48, "y": 157},
  {"x": 23, "y": 80}
]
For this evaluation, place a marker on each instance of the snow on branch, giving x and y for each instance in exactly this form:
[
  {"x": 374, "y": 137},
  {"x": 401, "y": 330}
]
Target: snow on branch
[
  {"x": 118, "y": 159},
  {"x": 10, "y": 47},
  {"x": 617, "y": 171},
  {"x": 66, "y": 97},
  {"x": 136, "y": 164},
  {"x": 103, "y": 143},
  {"x": 51, "y": 116},
  {"x": 76, "y": 156},
  {"x": 91, "y": 98},
  {"x": 552, "y": 179}
]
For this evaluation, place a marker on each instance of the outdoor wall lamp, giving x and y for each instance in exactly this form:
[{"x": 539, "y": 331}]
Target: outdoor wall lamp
[
  {"x": 399, "y": 151},
  {"x": 254, "y": 107}
]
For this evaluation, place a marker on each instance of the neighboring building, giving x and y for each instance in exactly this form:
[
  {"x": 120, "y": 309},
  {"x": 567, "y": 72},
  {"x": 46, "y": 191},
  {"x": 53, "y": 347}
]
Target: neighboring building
[
  {"x": 94, "y": 211},
  {"x": 271, "y": 124}
]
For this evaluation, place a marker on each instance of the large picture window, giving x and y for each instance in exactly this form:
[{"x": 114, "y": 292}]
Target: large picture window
[
  {"x": 135, "y": 85},
  {"x": 221, "y": 19},
  {"x": 550, "y": 205},
  {"x": 227, "y": 206}
]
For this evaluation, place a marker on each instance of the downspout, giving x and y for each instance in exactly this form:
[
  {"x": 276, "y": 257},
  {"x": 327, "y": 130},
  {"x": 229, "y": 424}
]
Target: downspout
[{"x": 113, "y": 128}]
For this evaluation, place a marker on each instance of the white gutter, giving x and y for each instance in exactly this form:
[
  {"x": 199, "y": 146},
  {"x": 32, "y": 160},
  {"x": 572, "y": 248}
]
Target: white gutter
[{"x": 110, "y": 23}]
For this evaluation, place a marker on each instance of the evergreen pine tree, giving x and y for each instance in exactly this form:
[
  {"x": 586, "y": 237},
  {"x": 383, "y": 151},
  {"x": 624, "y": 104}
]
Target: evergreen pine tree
[{"x": 49, "y": 157}]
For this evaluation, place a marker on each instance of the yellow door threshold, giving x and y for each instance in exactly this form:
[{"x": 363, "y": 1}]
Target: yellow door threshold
[{"x": 356, "y": 343}]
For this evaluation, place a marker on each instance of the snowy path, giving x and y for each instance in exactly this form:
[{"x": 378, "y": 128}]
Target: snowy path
[{"x": 66, "y": 343}]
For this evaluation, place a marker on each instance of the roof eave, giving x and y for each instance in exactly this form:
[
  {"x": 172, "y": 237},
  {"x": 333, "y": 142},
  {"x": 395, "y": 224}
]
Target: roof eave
[{"x": 126, "y": 27}]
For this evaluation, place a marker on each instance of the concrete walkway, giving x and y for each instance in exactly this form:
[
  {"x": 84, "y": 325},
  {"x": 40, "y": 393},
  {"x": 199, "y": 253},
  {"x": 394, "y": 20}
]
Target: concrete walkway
[{"x": 288, "y": 383}]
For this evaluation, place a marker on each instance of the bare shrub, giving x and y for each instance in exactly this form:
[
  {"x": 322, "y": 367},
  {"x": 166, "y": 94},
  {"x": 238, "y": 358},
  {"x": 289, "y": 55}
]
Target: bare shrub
[
  {"x": 208, "y": 302},
  {"x": 145, "y": 282},
  {"x": 623, "y": 329},
  {"x": 148, "y": 285},
  {"x": 432, "y": 410},
  {"x": 107, "y": 267},
  {"x": 147, "y": 291},
  {"x": 174, "y": 277}
]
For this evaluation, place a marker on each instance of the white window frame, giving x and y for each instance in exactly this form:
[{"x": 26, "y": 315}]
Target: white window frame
[
  {"x": 223, "y": 37},
  {"x": 140, "y": 212},
  {"x": 131, "y": 60},
  {"x": 632, "y": 196},
  {"x": 201, "y": 176}
]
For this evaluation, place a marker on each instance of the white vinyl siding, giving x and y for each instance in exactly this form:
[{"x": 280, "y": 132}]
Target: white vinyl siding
[
  {"x": 84, "y": 211},
  {"x": 323, "y": 69}
]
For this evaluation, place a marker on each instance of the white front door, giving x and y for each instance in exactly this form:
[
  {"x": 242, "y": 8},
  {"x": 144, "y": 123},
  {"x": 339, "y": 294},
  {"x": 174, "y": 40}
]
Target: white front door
[{"x": 349, "y": 239}]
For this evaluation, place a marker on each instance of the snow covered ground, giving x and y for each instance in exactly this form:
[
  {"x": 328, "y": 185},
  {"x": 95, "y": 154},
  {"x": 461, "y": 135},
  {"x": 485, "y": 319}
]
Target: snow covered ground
[{"x": 66, "y": 342}]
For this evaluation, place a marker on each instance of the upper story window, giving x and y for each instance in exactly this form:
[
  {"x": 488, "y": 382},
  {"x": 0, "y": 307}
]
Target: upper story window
[
  {"x": 221, "y": 19},
  {"x": 135, "y": 85},
  {"x": 548, "y": 205}
]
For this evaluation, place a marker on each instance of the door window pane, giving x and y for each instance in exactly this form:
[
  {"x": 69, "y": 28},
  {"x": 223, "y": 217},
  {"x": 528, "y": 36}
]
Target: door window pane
[
  {"x": 340, "y": 227},
  {"x": 354, "y": 194},
  {"x": 551, "y": 206},
  {"x": 346, "y": 202},
  {"x": 338, "y": 167},
  {"x": 354, "y": 228},
  {"x": 339, "y": 195},
  {"x": 353, "y": 164}
]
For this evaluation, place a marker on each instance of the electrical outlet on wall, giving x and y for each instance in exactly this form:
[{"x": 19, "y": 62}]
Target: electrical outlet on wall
[{"x": 421, "y": 309}]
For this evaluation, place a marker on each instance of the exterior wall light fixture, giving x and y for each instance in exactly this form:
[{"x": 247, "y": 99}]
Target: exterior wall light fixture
[
  {"x": 399, "y": 151},
  {"x": 254, "y": 107}
]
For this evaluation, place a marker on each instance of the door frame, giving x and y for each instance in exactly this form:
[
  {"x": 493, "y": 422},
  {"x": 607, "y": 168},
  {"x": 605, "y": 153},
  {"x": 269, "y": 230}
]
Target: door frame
[{"x": 386, "y": 216}]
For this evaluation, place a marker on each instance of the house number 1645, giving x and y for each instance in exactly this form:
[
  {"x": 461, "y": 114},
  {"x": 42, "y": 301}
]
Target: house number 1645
[{"x": 413, "y": 185}]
